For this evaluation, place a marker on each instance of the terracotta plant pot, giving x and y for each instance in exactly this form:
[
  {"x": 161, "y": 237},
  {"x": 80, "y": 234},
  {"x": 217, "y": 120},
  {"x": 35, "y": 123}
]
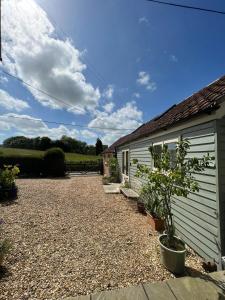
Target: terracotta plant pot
[
  {"x": 173, "y": 260},
  {"x": 141, "y": 207},
  {"x": 156, "y": 224}
]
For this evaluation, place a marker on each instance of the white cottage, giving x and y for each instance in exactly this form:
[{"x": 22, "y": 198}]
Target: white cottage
[{"x": 199, "y": 219}]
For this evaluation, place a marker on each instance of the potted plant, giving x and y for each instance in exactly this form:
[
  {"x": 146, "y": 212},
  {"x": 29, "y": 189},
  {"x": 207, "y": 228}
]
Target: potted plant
[
  {"x": 141, "y": 206},
  {"x": 172, "y": 177},
  {"x": 153, "y": 207},
  {"x": 8, "y": 188},
  {"x": 4, "y": 244},
  {"x": 114, "y": 170}
]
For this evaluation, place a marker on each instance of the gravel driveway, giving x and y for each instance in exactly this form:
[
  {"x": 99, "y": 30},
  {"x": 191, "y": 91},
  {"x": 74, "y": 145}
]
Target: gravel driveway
[{"x": 69, "y": 238}]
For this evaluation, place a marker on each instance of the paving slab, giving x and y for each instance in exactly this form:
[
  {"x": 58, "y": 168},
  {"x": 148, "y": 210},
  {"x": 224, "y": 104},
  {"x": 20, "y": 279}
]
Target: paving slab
[
  {"x": 131, "y": 293},
  {"x": 88, "y": 297},
  {"x": 112, "y": 188},
  {"x": 187, "y": 288},
  {"x": 156, "y": 291},
  {"x": 129, "y": 193}
]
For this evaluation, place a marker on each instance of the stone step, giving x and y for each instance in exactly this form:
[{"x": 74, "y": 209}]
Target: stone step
[{"x": 129, "y": 193}]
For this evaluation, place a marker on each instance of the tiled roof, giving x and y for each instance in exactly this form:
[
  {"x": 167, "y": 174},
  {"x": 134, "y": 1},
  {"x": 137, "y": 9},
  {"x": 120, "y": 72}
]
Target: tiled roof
[{"x": 204, "y": 101}]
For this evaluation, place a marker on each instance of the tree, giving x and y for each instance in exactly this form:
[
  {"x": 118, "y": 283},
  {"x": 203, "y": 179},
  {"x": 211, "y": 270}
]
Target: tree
[
  {"x": 45, "y": 143},
  {"x": 98, "y": 147},
  {"x": 167, "y": 181}
]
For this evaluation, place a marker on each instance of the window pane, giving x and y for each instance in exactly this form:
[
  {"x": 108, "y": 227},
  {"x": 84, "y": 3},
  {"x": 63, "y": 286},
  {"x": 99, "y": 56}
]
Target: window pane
[
  {"x": 172, "y": 151},
  {"x": 126, "y": 162},
  {"x": 123, "y": 162},
  {"x": 158, "y": 152}
]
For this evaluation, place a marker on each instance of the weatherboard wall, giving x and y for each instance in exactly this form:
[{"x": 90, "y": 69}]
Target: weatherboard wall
[
  {"x": 196, "y": 216},
  {"x": 221, "y": 181}
]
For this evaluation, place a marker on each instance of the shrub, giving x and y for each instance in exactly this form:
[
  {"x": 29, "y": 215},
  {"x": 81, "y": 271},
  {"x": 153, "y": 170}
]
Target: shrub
[
  {"x": 105, "y": 180},
  {"x": 114, "y": 170},
  {"x": 54, "y": 162},
  {"x": 28, "y": 165},
  {"x": 7, "y": 182}
]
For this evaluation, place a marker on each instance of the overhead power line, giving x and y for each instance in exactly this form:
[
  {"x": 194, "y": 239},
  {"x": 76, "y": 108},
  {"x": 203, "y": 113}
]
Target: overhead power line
[
  {"x": 188, "y": 7},
  {"x": 69, "y": 124},
  {"x": 41, "y": 91}
]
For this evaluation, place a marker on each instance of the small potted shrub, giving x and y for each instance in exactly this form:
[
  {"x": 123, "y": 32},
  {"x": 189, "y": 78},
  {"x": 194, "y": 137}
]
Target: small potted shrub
[
  {"x": 172, "y": 177},
  {"x": 8, "y": 188},
  {"x": 4, "y": 244},
  {"x": 141, "y": 206},
  {"x": 153, "y": 208},
  {"x": 105, "y": 180}
]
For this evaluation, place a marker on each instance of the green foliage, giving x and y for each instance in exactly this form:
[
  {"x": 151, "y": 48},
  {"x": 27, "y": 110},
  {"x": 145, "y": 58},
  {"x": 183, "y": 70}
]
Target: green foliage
[
  {"x": 105, "y": 180},
  {"x": 98, "y": 146},
  {"x": 166, "y": 181},
  {"x": 54, "y": 162},
  {"x": 127, "y": 185},
  {"x": 114, "y": 170},
  {"x": 151, "y": 202},
  {"x": 8, "y": 176},
  {"x": 67, "y": 144}
]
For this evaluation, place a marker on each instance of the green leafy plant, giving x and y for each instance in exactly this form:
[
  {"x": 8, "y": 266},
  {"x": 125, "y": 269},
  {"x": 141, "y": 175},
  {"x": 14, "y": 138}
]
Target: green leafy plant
[
  {"x": 151, "y": 201},
  {"x": 114, "y": 170},
  {"x": 105, "y": 180},
  {"x": 8, "y": 176},
  {"x": 167, "y": 181}
]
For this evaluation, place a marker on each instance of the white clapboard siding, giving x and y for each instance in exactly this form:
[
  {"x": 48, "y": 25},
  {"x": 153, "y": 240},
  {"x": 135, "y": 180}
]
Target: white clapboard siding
[{"x": 196, "y": 217}]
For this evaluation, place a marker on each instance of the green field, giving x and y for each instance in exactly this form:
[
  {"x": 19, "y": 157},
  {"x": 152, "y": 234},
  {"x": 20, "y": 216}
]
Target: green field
[{"x": 70, "y": 157}]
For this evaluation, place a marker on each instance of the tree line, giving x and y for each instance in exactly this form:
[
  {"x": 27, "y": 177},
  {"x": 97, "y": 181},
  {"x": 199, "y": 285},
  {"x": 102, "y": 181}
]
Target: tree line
[{"x": 66, "y": 143}]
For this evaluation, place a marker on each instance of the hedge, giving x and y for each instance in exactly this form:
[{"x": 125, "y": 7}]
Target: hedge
[
  {"x": 35, "y": 166},
  {"x": 28, "y": 165},
  {"x": 85, "y": 166}
]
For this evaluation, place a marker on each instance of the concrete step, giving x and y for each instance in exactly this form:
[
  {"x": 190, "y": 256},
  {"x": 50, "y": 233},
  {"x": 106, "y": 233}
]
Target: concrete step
[{"x": 129, "y": 193}]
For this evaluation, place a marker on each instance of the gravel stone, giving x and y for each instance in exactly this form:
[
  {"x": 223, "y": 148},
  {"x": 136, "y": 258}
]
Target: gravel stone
[{"x": 69, "y": 238}]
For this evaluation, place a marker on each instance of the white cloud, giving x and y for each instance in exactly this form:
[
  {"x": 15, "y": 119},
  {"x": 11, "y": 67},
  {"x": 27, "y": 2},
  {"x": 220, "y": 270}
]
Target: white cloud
[
  {"x": 33, "y": 52},
  {"x": 108, "y": 107},
  {"x": 126, "y": 117},
  {"x": 87, "y": 134},
  {"x": 136, "y": 95},
  {"x": 173, "y": 58},
  {"x": 3, "y": 79},
  {"x": 11, "y": 103},
  {"x": 143, "y": 20},
  {"x": 108, "y": 92},
  {"x": 32, "y": 127},
  {"x": 145, "y": 80}
]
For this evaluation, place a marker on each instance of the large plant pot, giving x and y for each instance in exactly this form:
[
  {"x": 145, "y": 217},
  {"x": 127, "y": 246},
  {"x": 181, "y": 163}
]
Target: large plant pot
[
  {"x": 156, "y": 224},
  {"x": 173, "y": 260},
  {"x": 8, "y": 193},
  {"x": 141, "y": 207}
]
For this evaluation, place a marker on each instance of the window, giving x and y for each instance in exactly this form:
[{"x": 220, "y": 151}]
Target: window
[
  {"x": 125, "y": 162},
  {"x": 172, "y": 146},
  {"x": 157, "y": 148}
]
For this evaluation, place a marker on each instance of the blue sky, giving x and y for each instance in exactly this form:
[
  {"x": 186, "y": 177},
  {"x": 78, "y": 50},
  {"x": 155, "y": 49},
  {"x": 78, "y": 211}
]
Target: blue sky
[{"x": 117, "y": 63}]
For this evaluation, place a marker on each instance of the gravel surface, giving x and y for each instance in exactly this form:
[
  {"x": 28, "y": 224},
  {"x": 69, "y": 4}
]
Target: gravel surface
[{"x": 69, "y": 238}]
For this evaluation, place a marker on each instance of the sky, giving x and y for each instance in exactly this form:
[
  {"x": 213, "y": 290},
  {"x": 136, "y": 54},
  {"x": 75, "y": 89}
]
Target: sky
[{"x": 102, "y": 64}]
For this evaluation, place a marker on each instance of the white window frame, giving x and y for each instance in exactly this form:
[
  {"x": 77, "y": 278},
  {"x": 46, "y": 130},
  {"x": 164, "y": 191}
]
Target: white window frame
[
  {"x": 164, "y": 142},
  {"x": 125, "y": 150}
]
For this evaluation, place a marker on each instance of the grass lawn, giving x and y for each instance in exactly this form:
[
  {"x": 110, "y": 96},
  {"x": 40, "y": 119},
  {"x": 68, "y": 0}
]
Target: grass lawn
[{"x": 70, "y": 157}]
